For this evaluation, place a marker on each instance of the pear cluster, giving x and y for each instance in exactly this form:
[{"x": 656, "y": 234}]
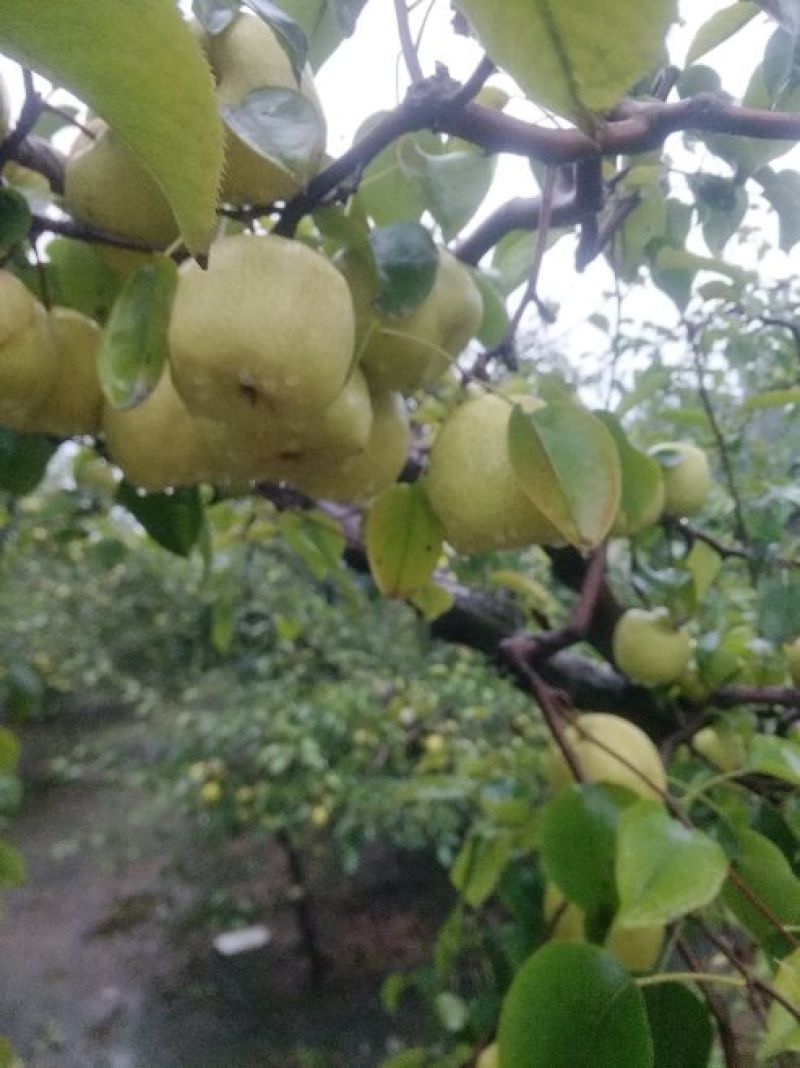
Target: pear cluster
[{"x": 106, "y": 185}]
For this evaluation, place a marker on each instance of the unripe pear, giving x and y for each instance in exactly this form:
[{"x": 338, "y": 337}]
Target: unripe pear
[
  {"x": 75, "y": 401},
  {"x": 610, "y": 749},
  {"x": 364, "y": 474},
  {"x": 724, "y": 749},
  {"x": 27, "y": 358},
  {"x": 158, "y": 444},
  {"x": 107, "y": 186},
  {"x": 472, "y": 487},
  {"x": 637, "y": 949},
  {"x": 489, "y": 1058},
  {"x": 265, "y": 334},
  {"x": 648, "y": 648},
  {"x": 687, "y": 477},
  {"x": 407, "y": 352},
  {"x": 244, "y": 57}
]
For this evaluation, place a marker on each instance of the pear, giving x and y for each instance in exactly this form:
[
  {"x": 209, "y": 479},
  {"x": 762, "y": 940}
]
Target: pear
[
  {"x": 107, "y": 186},
  {"x": 158, "y": 444},
  {"x": 472, "y": 487},
  {"x": 75, "y": 401},
  {"x": 687, "y": 477},
  {"x": 636, "y": 948},
  {"x": 407, "y": 352},
  {"x": 338, "y": 431},
  {"x": 246, "y": 56},
  {"x": 364, "y": 474},
  {"x": 649, "y": 649},
  {"x": 265, "y": 334},
  {"x": 27, "y": 358},
  {"x": 595, "y": 740}
]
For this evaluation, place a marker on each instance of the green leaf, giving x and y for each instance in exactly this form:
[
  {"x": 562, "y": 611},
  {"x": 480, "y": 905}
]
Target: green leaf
[
  {"x": 134, "y": 348},
  {"x": 432, "y": 601},
  {"x": 567, "y": 464},
  {"x": 15, "y": 218},
  {"x": 721, "y": 205},
  {"x": 281, "y": 125},
  {"x": 779, "y": 607},
  {"x": 174, "y": 520},
  {"x": 158, "y": 96},
  {"x": 386, "y": 192},
  {"x": 23, "y": 460},
  {"x": 767, "y": 872},
  {"x": 326, "y": 24},
  {"x": 9, "y": 750},
  {"x": 12, "y": 866},
  {"x": 664, "y": 869},
  {"x": 578, "y": 841},
  {"x": 719, "y": 28},
  {"x": 480, "y": 864},
  {"x": 407, "y": 262},
  {"x": 573, "y": 1006},
  {"x": 573, "y": 58},
  {"x": 773, "y": 398},
  {"x": 79, "y": 278},
  {"x": 494, "y": 324},
  {"x": 453, "y": 184},
  {"x": 317, "y": 539},
  {"x": 642, "y": 488},
  {"x": 403, "y": 539},
  {"x": 680, "y": 1026},
  {"x": 291, "y": 37},
  {"x": 782, "y": 190},
  {"x": 678, "y": 259},
  {"x": 8, "y": 1058},
  {"x": 783, "y": 1030},
  {"x": 703, "y": 563},
  {"x": 777, "y": 757},
  {"x": 24, "y": 691}
]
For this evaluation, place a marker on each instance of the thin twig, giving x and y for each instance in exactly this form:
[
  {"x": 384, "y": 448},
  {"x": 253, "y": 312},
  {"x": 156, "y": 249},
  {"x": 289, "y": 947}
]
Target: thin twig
[
  {"x": 407, "y": 42},
  {"x": 727, "y": 1036}
]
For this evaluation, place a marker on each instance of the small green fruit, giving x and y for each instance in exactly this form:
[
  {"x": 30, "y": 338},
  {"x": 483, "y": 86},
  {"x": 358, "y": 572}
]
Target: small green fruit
[
  {"x": 687, "y": 477},
  {"x": 27, "y": 357},
  {"x": 649, "y": 649},
  {"x": 74, "y": 403}
]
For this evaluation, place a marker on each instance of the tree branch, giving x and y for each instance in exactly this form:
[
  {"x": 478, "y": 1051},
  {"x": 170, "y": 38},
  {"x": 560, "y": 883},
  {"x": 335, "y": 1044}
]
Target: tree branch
[{"x": 407, "y": 42}]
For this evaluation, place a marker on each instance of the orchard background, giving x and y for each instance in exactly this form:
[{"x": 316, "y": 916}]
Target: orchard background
[{"x": 399, "y": 536}]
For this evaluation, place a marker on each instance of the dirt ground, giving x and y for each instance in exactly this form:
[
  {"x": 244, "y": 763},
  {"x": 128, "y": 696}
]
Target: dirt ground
[{"x": 106, "y": 961}]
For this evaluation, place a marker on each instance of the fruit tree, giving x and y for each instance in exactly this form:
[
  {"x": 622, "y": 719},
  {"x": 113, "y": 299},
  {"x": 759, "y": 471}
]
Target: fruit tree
[{"x": 368, "y": 344}]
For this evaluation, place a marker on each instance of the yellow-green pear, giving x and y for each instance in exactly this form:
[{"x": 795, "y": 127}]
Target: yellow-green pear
[
  {"x": 107, "y": 186},
  {"x": 725, "y": 749},
  {"x": 489, "y": 1058},
  {"x": 407, "y": 352},
  {"x": 339, "y": 430},
  {"x": 610, "y": 749},
  {"x": 244, "y": 57},
  {"x": 364, "y": 474},
  {"x": 687, "y": 477},
  {"x": 75, "y": 401},
  {"x": 637, "y": 949},
  {"x": 27, "y": 358},
  {"x": 265, "y": 334},
  {"x": 158, "y": 444},
  {"x": 472, "y": 487},
  {"x": 648, "y": 648}
]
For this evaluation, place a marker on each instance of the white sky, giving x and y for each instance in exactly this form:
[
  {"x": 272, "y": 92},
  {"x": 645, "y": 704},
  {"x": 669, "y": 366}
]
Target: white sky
[{"x": 365, "y": 75}]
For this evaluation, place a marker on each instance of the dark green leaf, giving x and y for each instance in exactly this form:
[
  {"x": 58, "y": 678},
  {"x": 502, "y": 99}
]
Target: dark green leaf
[
  {"x": 134, "y": 347},
  {"x": 779, "y": 607},
  {"x": 281, "y": 125},
  {"x": 15, "y": 218},
  {"x": 578, "y": 841},
  {"x": 778, "y": 757},
  {"x": 680, "y": 1026},
  {"x": 407, "y": 261},
  {"x": 23, "y": 460},
  {"x": 574, "y": 1006},
  {"x": 326, "y": 24},
  {"x": 766, "y": 871},
  {"x": 175, "y": 520},
  {"x": 453, "y": 183}
]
